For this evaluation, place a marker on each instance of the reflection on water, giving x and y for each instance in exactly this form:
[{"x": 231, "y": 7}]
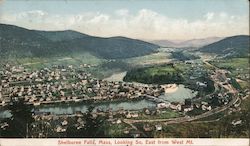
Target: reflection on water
[
  {"x": 179, "y": 95},
  {"x": 5, "y": 114},
  {"x": 114, "y": 106}
]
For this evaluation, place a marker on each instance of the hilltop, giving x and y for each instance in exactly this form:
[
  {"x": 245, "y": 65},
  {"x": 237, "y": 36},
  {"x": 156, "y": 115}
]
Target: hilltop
[
  {"x": 235, "y": 46},
  {"x": 17, "y": 42}
]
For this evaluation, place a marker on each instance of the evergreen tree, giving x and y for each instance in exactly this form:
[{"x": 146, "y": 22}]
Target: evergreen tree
[
  {"x": 20, "y": 121},
  {"x": 94, "y": 126}
]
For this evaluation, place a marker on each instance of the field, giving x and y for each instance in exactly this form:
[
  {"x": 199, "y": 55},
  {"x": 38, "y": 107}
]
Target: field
[
  {"x": 166, "y": 114},
  {"x": 155, "y": 58},
  {"x": 161, "y": 74},
  {"x": 99, "y": 67},
  {"x": 244, "y": 85},
  {"x": 182, "y": 67},
  {"x": 239, "y": 68},
  {"x": 160, "y": 70},
  {"x": 235, "y": 65},
  {"x": 117, "y": 130},
  {"x": 75, "y": 60}
]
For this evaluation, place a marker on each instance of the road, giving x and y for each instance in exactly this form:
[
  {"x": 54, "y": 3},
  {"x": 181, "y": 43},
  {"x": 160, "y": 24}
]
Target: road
[
  {"x": 188, "y": 119},
  {"x": 219, "y": 73},
  {"x": 220, "y": 78}
]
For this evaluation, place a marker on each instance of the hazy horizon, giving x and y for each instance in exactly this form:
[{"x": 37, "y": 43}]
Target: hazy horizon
[
  {"x": 146, "y": 20},
  {"x": 172, "y": 40}
]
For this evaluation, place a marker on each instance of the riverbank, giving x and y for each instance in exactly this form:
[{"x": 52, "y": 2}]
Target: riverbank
[
  {"x": 116, "y": 77},
  {"x": 170, "y": 88}
]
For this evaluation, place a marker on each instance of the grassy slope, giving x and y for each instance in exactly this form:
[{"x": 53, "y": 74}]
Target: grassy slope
[
  {"x": 154, "y": 58},
  {"x": 76, "y": 60},
  {"x": 237, "y": 67},
  {"x": 232, "y": 64},
  {"x": 223, "y": 126},
  {"x": 161, "y": 74},
  {"x": 160, "y": 70}
]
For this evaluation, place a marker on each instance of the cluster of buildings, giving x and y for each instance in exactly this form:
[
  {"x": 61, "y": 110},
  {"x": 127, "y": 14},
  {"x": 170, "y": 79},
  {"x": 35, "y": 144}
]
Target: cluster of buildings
[
  {"x": 242, "y": 73},
  {"x": 196, "y": 69},
  {"x": 61, "y": 84},
  {"x": 68, "y": 84},
  {"x": 47, "y": 125}
]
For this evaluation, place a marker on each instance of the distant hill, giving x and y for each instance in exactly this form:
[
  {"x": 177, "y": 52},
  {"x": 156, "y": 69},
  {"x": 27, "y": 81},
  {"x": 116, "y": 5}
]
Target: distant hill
[
  {"x": 200, "y": 42},
  {"x": 17, "y": 42},
  {"x": 187, "y": 43},
  {"x": 235, "y": 46},
  {"x": 165, "y": 43}
]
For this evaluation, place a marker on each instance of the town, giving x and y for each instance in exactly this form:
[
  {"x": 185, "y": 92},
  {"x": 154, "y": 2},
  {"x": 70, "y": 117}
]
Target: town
[{"x": 68, "y": 85}]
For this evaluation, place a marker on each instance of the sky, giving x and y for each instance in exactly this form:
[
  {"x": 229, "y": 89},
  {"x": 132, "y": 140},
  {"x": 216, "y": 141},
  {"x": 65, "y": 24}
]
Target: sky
[{"x": 141, "y": 19}]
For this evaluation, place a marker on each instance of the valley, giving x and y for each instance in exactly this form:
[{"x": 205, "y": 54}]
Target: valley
[{"x": 120, "y": 87}]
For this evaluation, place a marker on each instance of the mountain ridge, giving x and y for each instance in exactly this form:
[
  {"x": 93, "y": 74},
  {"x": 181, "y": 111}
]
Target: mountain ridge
[
  {"x": 234, "y": 46},
  {"x": 21, "y": 42},
  {"x": 196, "y": 43}
]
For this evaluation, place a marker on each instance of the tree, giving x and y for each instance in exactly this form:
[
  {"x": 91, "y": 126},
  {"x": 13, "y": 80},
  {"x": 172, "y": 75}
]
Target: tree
[
  {"x": 94, "y": 126},
  {"x": 21, "y": 119}
]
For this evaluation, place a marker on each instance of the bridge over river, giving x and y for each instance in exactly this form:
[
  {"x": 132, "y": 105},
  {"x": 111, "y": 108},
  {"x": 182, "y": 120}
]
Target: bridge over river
[{"x": 156, "y": 99}]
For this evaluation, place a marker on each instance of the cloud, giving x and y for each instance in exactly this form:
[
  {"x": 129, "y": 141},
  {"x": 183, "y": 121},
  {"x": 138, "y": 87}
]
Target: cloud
[
  {"x": 122, "y": 12},
  {"x": 144, "y": 24},
  {"x": 209, "y": 16}
]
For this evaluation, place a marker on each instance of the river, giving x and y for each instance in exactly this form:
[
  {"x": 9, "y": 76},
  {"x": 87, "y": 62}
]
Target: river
[
  {"x": 104, "y": 106},
  {"x": 179, "y": 95},
  {"x": 4, "y": 113},
  {"x": 65, "y": 108}
]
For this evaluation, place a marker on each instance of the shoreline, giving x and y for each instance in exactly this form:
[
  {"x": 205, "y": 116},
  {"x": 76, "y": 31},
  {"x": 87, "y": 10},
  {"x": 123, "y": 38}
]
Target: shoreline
[
  {"x": 116, "y": 76},
  {"x": 170, "y": 88}
]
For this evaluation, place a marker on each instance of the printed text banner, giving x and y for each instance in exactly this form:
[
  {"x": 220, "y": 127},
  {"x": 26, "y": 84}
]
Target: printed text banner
[{"x": 124, "y": 142}]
